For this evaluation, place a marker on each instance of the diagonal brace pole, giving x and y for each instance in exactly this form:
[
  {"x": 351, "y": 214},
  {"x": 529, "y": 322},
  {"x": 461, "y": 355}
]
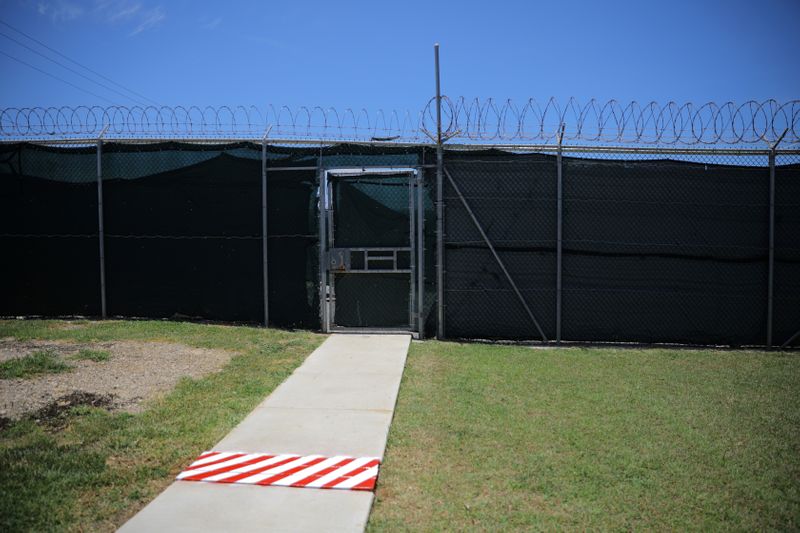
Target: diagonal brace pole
[
  {"x": 789, "y": 341},
  {"x": 494, "y": 253}
]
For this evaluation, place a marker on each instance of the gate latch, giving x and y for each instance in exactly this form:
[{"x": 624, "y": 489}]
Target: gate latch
[{"x": 339, "y": 259}]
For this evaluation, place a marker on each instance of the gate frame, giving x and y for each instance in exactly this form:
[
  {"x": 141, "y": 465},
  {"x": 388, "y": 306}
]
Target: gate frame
[{"x": 416, "y": 235}]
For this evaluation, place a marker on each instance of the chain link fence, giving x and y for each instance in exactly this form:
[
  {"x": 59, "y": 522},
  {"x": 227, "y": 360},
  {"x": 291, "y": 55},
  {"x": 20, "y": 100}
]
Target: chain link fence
[
  {"x": 48, "y": 231},
  {"x": 513, "y": 201},
  {"x": 612, "y": 245},
  {"x": 655, "y": 248},
  {"x": 659, "y": 250},
  {"x": 786, "y": 313}
]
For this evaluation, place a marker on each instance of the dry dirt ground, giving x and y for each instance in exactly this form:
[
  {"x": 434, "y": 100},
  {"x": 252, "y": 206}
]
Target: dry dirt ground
[{"x": 134, "y": 372}]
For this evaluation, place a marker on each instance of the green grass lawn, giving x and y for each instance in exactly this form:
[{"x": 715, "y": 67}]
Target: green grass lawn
[
  {"x": 103, "y": 467},
  {"x": 497, "y": 437},
  {"x": 484, "y": 437},
  {"x": 32, "y": 365},
  {"x": 98, "y": 356}
]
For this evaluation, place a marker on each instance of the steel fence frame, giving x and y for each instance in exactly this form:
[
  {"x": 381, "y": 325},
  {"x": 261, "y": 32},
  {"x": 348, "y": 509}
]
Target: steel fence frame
[{"x": 771, "y": 153}]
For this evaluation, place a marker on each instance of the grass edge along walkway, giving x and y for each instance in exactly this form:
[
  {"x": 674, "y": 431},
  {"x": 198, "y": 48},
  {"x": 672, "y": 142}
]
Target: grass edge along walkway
[{"x": 103, "y": 467}]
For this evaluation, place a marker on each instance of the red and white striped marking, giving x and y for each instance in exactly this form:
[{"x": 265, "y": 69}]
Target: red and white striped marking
[{"x": 287, "y": 470}]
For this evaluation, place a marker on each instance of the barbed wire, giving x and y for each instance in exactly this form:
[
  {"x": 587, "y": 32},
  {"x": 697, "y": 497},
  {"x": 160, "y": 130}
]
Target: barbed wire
[
  {"x": 476, "y": 121},
  {"x": 614, "y": 122},
  {"x": 207, "y": 122}
]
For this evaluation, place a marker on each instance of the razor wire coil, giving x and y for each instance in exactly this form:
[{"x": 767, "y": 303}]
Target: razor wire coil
[{"x": 471, "y": 121}]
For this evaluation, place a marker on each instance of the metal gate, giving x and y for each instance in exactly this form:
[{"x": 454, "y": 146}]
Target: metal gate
[{"x": 371, "y": 231}]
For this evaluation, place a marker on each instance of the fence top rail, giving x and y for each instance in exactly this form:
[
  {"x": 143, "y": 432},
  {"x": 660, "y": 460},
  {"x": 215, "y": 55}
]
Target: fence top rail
[
  {"x": 450, "y": 147},
  {"x": 467, "y": 121}
]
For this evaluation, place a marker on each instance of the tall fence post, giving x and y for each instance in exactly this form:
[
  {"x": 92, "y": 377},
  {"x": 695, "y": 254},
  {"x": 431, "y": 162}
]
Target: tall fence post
[
  {"x": 264, "y": 240},
  {"x": 421, "y": 249},
  {"x": 323, "y": 267},
  {"x": 559, "y": 231},
  {"x": 440, "y": 331},
  {"x": 100, "y": 228},
  {"x": 771, "y": 268}
]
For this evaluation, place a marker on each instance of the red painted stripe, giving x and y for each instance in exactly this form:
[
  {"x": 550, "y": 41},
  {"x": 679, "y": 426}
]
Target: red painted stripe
[
  {"x": 203, "y": 475},
  {"x": 291, "y": 471},
  {"x": 355, "y": 472},
  {"x": 233, "y": 476},
  {"x": 237, "y": 477},
  {"x": 305, "y": 481},
  {"x": 204, "y": 455},
  {"x": 211, "y": 463},
  {"x": 367, "y": 484}
]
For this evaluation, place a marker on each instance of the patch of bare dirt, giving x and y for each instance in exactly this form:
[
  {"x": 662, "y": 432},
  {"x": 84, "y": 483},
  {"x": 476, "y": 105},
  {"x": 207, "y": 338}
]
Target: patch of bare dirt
[
  {"x": 54, "y": 414},
  {"x": 135, "y": 372}
]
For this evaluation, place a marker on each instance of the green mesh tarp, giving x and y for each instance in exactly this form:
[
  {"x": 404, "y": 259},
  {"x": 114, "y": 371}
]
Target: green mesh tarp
[
  {"x": 654, "y": 249},
  {"x": 49, "y": 264},
  {"x": 371, "y": 211}
]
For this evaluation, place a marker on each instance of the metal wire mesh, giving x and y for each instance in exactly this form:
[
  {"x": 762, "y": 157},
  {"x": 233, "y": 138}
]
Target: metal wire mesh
[
  {"x": 786, "y": 313},
  {"x": 513, "y": 198},
  {"x": 48, "y": 231},
  {"x": 182, "y": 230},
  {"x": 373, "y": 212},
  {"x": 657, "y": 245},
  {"x": 657, "y": 250}
]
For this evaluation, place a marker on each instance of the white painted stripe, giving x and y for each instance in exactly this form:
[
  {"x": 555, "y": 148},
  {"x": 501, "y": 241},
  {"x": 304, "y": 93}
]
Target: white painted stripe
[
  {"x": 339, "y": 472},
  {"x": 224, "y": 464},
  {"x": 304, "y": 473},
  {"x": 208, "y": 459},
  {"x": 278, "y": 469},
  {"x": 236, "y": 467},
  {"x": 206, "y": 454},
  {"x": 249, "y": 468},
  {"x": 355, "y": 480}
]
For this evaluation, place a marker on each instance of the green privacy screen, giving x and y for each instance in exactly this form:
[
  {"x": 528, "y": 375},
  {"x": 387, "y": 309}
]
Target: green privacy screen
[
  {"x": 655, "y": 249},
  {"x": 372, "y": 212},
  {"x": 182, "y": 233}
]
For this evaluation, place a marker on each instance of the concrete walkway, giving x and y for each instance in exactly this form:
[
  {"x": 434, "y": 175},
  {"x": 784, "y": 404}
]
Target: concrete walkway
[{"x": 340, "y": 401}]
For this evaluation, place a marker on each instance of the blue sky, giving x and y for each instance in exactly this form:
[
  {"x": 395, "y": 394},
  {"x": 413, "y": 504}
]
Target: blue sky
[{"x": 379, "y": 54}]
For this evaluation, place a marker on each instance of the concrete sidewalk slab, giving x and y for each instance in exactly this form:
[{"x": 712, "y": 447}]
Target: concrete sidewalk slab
[
  {"x": 188, "y": 506},
  {"x": 340, "y": 401},
  {"x": 286, "y": 429},
  {"x": 336, "y": 391}
]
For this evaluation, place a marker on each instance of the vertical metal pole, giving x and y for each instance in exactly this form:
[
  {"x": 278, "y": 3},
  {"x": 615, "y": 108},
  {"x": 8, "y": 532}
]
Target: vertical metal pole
[
  {"x": 100, "y": 229},
  {"x": 323, "y": 267},
  {"x": 559, "y": 234},
  {"x": 420, "y": 252},
  {"x": 330, "y": 243},
  {"x": 264, "y": 240},
  {"x": 412, "y": 243},
  {"x": 440, "y": 332},
  {"x": 771, "y": 267},
  {"x": 773, "y": 150}
]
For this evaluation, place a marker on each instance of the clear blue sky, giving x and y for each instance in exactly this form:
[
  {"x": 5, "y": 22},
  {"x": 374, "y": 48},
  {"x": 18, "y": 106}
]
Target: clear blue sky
[{"x": 379, "y": 54}]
